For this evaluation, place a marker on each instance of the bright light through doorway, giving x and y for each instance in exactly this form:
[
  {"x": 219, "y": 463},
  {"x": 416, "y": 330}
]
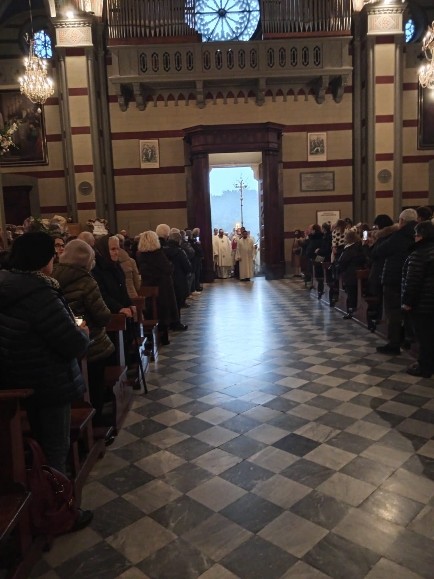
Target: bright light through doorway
[{"x": 226, "y": 210}]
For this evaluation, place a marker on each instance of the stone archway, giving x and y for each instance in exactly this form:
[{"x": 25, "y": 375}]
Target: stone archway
[{"x": 200, "y": 141}]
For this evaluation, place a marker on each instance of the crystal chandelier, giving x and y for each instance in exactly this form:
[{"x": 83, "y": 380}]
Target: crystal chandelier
[
  {"x": 35, "y": 84},
  {"x": 426, "y": 72}
]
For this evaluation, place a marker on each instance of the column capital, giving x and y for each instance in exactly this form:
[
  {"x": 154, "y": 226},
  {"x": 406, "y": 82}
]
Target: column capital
[
  {"x": 385, "y": 19},
  {"x": 73, "y": 32}
]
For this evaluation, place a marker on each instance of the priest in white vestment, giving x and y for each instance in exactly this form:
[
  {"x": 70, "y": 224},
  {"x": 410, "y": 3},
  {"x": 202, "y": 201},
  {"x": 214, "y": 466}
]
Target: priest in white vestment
[
  {"x": 222, "y": 254},
  {"x": 244, "y": 256}
]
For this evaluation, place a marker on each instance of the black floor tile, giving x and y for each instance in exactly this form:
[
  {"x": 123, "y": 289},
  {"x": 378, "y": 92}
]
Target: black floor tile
[
  {"x": 321, "y": 509},
  {"x": 178, "y": 559},
  {"x": 258, "y": 559},
  {"x": 246, "y": 475},
  {"x": 340, "y": 558},
  {"x": 295, "y": 444},
  {"x": 251, "y": 512},
  {"x": 308, "y": 473},
  {"x": 181, "y": 515}
]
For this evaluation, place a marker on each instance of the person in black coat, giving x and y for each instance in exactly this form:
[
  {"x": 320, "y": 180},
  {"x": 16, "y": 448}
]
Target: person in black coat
[
  {"x": 351, "y": 259},
  {"x": 374, "y": 289},
  {"x": 181, "y": 268},
  {"x": 418, "y": 296},
  {"x": 110, "y": 276},
  {"x": 322, "y": 255},
  {"x": 40, "y": 343},
  {"x": 156, "y": 270},
  {"x": 313, "y": 244},
  {"x": 395, "y": 250},
  {"x": 198, "y": 249}
]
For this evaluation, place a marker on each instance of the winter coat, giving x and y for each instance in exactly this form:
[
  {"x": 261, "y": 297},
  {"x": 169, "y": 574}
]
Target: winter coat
[
  {"x": 156, "y": 270},
  {"x": 181, "y": 269},
  {"x": 39, "y": 340},
  {"x": 84, "y": 298},
  {"x": 314, "y": 242},
  {"x": 395, "y": 250},
  {"x": 376, "y": 261},
  {"x": 351, "y": 259},
  {"x": 325, "y": 249},
  {"x": 418, "y": 278},
  {"x": 111, "y": 281},
  {"x": 189, "y": 251},
  {"x": 132, "y": 277}
]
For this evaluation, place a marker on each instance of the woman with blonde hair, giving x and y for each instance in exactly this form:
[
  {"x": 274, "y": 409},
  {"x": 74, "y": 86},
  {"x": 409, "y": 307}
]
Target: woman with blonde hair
[{"x": 156, "y": 270}]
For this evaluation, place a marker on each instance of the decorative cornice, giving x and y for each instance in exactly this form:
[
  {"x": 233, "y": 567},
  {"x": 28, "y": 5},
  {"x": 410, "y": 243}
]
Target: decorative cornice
[
  {"x": 72, "y": 22},
  {"x": 200, "y": 95}
]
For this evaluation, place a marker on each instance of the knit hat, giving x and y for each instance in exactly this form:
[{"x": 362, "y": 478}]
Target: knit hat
[
  {"x": 78, "y": 252},
  {"x": 32, "y": 251}
]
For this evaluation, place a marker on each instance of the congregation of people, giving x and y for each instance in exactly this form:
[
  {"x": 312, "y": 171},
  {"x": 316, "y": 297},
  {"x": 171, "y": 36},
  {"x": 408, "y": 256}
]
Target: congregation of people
[
  {"x": 57, "y": 295},
  {"x": 398, "y": 260}
]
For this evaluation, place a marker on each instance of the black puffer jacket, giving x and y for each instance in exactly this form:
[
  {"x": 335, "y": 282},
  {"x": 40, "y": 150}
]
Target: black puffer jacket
[
  {"x": 181, "y": 269},
  {"x": 395, "y": 250},
  {"x": 418, "y": 278},
  {"x": 376, "y": 261},
  {"x": 112, "y": 284},
  {"x": 314, "y": 242},
  {"x": 156, "y": 270},
  {"x": 84, "y": 298},
  {"x": 39, "y": 341},
  {"x": 351, "y": 259}
]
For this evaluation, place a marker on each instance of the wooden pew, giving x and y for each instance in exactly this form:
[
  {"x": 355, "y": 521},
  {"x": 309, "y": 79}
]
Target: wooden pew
[
  {"x": 141, "y": 346},
  {"x": 150, "y": 325},
  {"x": 116, "y": 379},
  {"x": 19, "y": 551}
]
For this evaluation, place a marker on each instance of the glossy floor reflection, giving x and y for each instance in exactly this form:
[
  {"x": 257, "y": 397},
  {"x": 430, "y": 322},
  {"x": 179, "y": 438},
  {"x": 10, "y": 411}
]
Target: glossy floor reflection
[{"x": 274, "y": 443}]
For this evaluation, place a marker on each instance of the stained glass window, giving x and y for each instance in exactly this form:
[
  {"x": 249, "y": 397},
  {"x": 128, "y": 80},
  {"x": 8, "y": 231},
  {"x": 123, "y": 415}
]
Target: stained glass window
[
  {"x": 43, "y": 48},
  {"x": 219, "y": 20},
  {"x": 410, "y": 30}
]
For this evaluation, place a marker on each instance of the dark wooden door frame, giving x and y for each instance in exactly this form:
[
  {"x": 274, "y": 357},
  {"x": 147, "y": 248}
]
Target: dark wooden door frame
[{"x": 203, "y": 140}]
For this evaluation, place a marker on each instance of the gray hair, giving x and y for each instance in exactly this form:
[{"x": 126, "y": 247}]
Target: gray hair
[
  {"x": 162, "y": 230},
  {"x": 351, "y": 236},
  {"x": 408, "y": 215},
  {"x": 175, "y": 236},
  {"x": 88, "y": 237},
  {"x": 148, "y": 241}
]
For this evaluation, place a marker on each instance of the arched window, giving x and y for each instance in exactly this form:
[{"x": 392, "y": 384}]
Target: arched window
[
  {"x": 219, "y": 20},
  {"x": 43, "y": 47},
  {"x": 410, "y": 30}
]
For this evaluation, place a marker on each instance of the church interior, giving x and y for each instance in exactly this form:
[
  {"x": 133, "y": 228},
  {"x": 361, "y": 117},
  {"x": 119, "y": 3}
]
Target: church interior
[{"x": 273, "y": 442}]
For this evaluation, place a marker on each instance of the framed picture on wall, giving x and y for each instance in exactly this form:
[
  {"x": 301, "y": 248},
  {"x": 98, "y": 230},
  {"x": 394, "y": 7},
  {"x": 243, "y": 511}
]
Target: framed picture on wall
[
  {"x": 317, "y": 181},
  {"x": 29, "y": 140},
  {"x": 317, "y": 146},
  {"x": 425, "y": 129},
  {"x": 149, "y": 154},
  {"x": 329, "y": 216}
]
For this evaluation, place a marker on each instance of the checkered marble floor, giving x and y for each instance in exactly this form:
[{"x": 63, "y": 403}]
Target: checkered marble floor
[{"x": 274, "y": 443}]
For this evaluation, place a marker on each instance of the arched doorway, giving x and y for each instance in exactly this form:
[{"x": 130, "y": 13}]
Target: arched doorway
[{"x": 200, "y": 141}]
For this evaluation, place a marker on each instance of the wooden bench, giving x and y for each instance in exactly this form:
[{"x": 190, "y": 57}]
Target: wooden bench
[
  {"x": 150, "y": 325},
  {"x": 19, "y": 551},
  {"x": 116, "y": 379}
]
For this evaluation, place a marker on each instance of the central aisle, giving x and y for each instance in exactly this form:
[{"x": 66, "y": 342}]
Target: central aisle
[{"x": 274, "y": 443}]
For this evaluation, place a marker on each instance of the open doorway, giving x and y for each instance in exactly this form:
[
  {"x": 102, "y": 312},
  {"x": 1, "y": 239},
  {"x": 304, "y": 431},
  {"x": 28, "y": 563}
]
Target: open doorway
[
  {"x": 234, "y": 197},
  {"x": 203, "y": 141}
]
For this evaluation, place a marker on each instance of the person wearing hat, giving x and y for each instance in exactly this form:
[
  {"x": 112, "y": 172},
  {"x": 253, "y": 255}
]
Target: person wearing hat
[
  {"x": 39, "y": 346},
  {"x": 84, "y": 298}
]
